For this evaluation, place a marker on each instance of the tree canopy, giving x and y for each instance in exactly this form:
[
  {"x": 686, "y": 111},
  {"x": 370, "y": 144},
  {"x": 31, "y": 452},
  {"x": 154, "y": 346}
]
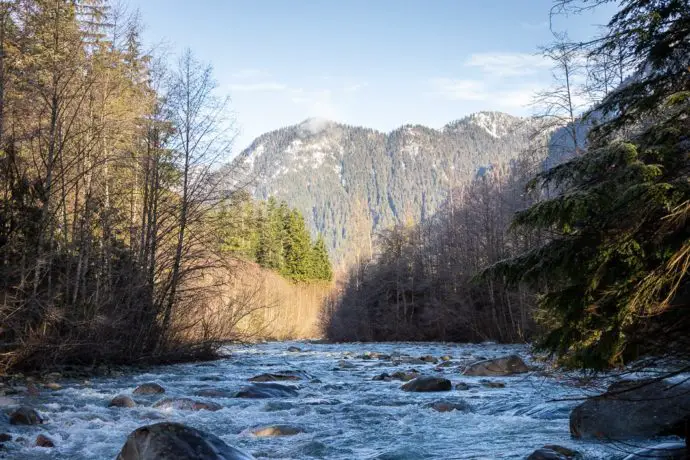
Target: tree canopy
[{"x": 613, "y": 277}]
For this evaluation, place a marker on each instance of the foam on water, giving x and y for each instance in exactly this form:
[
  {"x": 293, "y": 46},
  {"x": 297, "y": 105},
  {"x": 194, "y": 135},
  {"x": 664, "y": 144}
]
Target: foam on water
[{"x": 344, "y": 413}]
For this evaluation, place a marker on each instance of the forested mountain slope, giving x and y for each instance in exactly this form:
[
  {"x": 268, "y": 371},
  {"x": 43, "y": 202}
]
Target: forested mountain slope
[{"x": 349, "y": 181}]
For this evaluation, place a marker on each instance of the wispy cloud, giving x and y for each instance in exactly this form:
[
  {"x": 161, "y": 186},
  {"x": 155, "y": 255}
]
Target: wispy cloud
[
  {"x": 514, "y": 97},
  {"x": 504, "y": 65},
  {"x": 268, "y": 86}
]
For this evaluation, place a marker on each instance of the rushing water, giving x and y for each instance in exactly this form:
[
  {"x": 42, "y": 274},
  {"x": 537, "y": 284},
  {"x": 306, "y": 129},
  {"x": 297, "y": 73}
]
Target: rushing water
[{"x": 344, "y": 413}]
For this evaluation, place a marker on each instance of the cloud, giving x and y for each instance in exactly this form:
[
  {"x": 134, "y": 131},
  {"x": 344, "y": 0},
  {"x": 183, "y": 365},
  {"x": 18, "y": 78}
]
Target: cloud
[
  {"x": 504, "y": 65},
  {"x": 513, "y": 97},
  {"x": 257, "y": 87}
]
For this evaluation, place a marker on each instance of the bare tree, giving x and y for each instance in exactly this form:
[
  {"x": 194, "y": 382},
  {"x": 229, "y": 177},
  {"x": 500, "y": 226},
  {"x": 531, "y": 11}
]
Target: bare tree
[{"x": 201, "y": 135}]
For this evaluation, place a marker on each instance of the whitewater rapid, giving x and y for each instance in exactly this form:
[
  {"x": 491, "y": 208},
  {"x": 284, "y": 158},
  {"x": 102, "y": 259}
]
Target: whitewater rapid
[{"x": 343, "y": 412}]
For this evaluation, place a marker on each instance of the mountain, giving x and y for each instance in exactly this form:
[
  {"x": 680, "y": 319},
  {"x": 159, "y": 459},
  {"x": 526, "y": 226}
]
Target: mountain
[{"x": 351, "y": 181}]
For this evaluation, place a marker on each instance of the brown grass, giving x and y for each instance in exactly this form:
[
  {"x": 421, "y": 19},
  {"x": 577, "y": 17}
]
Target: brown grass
[{"x": 244, "y": 302}]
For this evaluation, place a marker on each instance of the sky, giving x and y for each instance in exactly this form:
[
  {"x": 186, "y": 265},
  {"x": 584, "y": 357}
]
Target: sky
[{"x": 374, "y": 63}]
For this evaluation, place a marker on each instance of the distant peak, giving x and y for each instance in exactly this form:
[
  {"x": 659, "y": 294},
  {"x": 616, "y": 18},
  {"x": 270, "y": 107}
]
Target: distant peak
[{"x": 496, "y": 124}]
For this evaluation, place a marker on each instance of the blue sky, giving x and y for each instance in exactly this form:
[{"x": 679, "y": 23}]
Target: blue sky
[{"x": 376, "y": 63}]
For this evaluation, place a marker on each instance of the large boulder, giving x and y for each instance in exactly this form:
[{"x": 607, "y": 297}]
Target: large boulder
[
  {"x": 406, "y": 376},
  {"x": 633, "y": 410},
  {"x": 25, "y": 416},
  {"x": 44, "y": 441},
  {"x": 450, "y": 406},
  {"x": 186, "y": 404},
  {"x": 150, "y": 388},
  {"x": 275, "y": 377},
  {"x": 174, "y": 441},
  {"x": 508, "y": 365},
  {"x": 552, "y": 452},
  {"x": 122, "y": 401},
  {"x": 214, "y": 393},
  {"x": 267, "y": 390},
  {"x": 423, "y": 384}
]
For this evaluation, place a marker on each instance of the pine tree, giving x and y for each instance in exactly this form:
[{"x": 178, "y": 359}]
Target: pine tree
[
  {"x": 614, "y": 278},
  {"x": 297, "y": 248},
  {"x": 269, "y": 252},
  {"x": 321, "y": 265}
]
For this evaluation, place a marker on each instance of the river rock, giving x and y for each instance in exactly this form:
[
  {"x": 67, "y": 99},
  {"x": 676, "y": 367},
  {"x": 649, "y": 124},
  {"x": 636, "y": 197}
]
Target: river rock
[
  {"x": 25, "y": 416},
  {"x": 186, "y": 404},
  {"x": 404, "y": 359},
  {"x": 450, "y": 406},
  {"x": 553, "y": 452},
  {"x": 462, "y": 386},
  {"x": 629, "y": 411},
  {"x": 52, "y": 386},
  {"x": 274, "y": 378},
  {"x": 4, "y": 437},
  {"x": 664, "y": 451},
  {"x": 294, "y": 349},
  {"x": 508, "y": 365},
  {"x": 382, "y": 378},
  {"x": 276, "y": 430},
  {"x": 424, "y": 384},
  {"x": 174, "y": 441},
  {"x": 267, "y": 390},
  {"x": 405, "y": 376},
  {"x": 122, "y": 401},
  {"x": 214, "y": 393},
  {"x": 150, "y": 388},
  {"x": 491, "y": 384},
  {"x": 44, "y": 441},
  {"x": 428, "y": 359}
]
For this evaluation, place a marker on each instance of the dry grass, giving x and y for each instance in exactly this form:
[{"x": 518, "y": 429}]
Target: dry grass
[{"x": 244, "y": 302}]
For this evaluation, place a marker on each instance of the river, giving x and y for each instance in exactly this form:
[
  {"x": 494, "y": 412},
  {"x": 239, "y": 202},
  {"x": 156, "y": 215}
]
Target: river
[{"x": 344, "y": 413}]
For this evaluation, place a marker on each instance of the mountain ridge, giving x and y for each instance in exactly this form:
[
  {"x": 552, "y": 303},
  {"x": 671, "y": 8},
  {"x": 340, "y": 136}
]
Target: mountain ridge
[{"x": 350, "y": 181}]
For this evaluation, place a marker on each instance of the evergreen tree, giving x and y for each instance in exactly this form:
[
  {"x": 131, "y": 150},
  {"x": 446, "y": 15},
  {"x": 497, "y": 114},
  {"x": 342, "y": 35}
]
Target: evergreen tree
[
  {"x": 297, "y": 248},
  {"x": 269, "y": 252},
  {"x": 614, "y": 278},
  {"x": 321, "y": 266}
]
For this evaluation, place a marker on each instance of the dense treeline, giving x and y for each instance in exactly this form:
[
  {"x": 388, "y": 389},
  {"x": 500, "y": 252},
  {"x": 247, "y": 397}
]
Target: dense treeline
[
  {"x": 105, "y": 182},
  {"x": 613, "y": 277},
  {"x": 274, "y": 236},
  {"x": 421, "y": 285}
]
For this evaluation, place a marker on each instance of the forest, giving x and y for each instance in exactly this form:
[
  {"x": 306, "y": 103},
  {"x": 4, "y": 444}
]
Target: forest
[
  {"x": 112, "y": 214},
  {"x": 274, "y": 236}
]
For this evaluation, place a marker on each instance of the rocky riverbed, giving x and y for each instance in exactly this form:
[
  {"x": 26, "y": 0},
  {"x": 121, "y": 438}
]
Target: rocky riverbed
[{"x": 392, "y": 401}]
